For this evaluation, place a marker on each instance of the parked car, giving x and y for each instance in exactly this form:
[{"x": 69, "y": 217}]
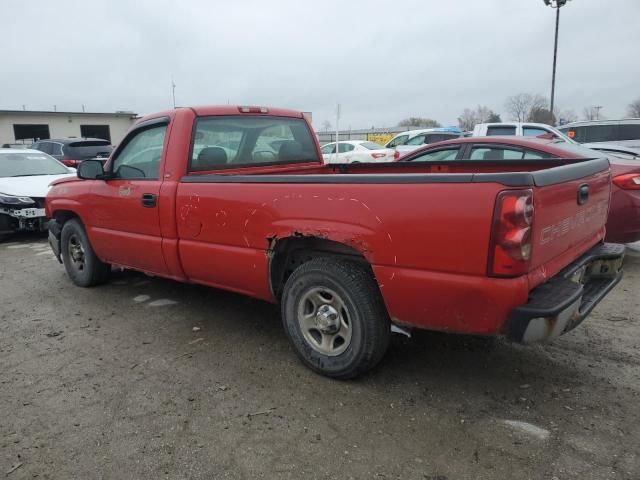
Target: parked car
[
  {"x": 426, "y": 136},
  {"x": 25, "y": 176},
  {"x": 625, "y": 132},
  {"x": 616, "y": 150},
  {"x": 519, "y": 129},
  {"x": 20, "y": 146},
  {"x": 71, "y": 151},
  {"x": 353, "y": 151},
  {"x": 404, "y": 137},
  {"x": 487, "y": 248},
  {"x": 623, "y": 224}
]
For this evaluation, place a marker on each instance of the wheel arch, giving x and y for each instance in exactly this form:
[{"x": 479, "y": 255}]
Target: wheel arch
[
  {"x": 62, "y": 216},
  {"x": 288, "y": 253}
]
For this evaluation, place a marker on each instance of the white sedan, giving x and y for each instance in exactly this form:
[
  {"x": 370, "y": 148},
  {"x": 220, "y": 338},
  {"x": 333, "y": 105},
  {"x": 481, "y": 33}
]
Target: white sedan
[
  {"x": 25, "y": 176},
  {"x": 356, "y": 151}
]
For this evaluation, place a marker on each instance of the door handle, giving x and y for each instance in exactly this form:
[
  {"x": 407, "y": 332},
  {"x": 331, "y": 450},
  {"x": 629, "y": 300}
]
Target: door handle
[
  {"x": 583, "y": 194},
  {"x": 149, "y": 200}
]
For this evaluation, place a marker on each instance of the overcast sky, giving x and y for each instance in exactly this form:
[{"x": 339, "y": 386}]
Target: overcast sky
[{"x": 382, "y": 60}]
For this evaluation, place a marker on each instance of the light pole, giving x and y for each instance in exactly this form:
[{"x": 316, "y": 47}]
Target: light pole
[{"x": 557, "y": 4}]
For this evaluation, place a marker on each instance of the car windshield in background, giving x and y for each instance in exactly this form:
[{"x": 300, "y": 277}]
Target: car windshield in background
[
  {"x": 20, "y": 164},
  {"x": 88, "y": 149},
  {"x": 603, "y": 133},
  {"x": 372, "y": 146}
]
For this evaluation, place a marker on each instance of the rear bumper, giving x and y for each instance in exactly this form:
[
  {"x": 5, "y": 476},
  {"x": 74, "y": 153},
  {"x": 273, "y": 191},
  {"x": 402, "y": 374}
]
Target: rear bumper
[{"x": 563, "y": 302}]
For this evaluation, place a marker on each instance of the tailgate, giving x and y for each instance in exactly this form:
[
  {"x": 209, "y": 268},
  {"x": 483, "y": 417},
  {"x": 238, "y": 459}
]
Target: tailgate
[{"x": 571, "y": 206}]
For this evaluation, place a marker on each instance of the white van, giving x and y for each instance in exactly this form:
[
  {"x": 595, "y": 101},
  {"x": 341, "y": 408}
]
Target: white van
[{"x": 519, "y": 129}]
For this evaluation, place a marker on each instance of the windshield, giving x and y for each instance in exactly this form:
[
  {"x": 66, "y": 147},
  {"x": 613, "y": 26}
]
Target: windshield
[
  {"x": 372, "y": 146},
  {"x": 19, "y": 164}
]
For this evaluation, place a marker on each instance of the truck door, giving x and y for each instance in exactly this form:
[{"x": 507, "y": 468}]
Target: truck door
[{"x": 124, "y": 224}]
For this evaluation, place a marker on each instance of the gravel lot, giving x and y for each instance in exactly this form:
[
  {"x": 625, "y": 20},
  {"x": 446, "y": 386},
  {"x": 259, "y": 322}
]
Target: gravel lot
[{"x": 147, "y": 378}]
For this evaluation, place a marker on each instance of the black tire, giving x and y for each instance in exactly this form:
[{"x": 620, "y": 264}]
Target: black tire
[
  {"x": 354, "y": 285},
  {"x": 85, "y": 270}
]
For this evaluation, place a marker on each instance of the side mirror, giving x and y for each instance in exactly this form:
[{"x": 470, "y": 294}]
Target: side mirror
[{"x": 90, "y": 170}]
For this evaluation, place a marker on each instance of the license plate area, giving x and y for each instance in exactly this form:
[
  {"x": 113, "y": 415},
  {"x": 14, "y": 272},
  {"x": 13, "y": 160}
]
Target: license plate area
[{"x": 28, "y": 213}]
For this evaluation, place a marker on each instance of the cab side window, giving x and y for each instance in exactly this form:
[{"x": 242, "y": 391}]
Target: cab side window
[
  {"x": 345, "y": 147},
  {"x": 417, "y": 140},
  {"x": 495, "y": 153},
  {"x": 44, "y": 147},
  {"x": 398, "y": 141},
  {"x": 438, "y": 155},
  {"x": 534, "y": 131},
  {"x": 141, "y": 155},
  {"x": 327, "y": 149},
  {"x": 56, "y": 149}
]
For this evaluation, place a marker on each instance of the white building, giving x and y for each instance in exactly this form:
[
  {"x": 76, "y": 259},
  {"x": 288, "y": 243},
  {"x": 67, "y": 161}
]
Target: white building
[{"x": 22, "y": 126}]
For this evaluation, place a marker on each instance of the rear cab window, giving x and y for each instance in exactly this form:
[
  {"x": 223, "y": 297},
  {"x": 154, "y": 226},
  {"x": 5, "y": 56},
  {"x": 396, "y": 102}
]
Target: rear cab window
[
  {"x": 235, "y": 141},
  {"x": 84, "y": 149},
  {"x": 440, "y": 137},
  {"x": 501, "y": 130}
]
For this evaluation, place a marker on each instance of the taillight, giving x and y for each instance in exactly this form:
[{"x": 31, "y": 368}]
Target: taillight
[
  {"x": 378, "y": 155},
  {"x": 510, "y": 244},
  {"x": 629, "y": 181},
  {"x": 396, "y": 155}
]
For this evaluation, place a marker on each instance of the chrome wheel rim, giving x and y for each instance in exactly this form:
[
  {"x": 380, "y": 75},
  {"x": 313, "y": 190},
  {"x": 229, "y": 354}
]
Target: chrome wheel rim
[
  {"x": 76, "y": 252},
  {"x": 324, "y": 321}
]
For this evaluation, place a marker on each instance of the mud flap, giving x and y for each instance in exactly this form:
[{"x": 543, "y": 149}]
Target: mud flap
[{"x": 55, "y": 230}]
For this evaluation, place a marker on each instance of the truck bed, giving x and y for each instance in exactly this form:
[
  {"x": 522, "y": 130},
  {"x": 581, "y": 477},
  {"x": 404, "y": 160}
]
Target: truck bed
[{"x": 426, "y": 234}]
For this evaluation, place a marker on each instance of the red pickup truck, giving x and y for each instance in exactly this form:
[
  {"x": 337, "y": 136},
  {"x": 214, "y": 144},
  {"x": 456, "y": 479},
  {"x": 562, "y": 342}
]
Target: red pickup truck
[{"x": 238, "y": 198}]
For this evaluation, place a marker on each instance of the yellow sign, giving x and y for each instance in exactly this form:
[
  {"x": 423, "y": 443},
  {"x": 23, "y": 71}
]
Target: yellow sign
[{"x": 381, "y": 138}]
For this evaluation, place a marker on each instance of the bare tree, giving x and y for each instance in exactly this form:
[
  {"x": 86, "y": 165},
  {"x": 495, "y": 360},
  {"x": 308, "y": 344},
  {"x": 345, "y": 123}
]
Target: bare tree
[
  {"x": 470, "y": 118},
  {"x": 568, "y": 116},
  {"x": 633, "y": 110},
  {"x": 592, "y": 113},
  {"x": 521, "y": 106},
  {"x": 419, "y": 122},
  {"x": 541, "y": 115},
  {"x": 326, "y": 126}
]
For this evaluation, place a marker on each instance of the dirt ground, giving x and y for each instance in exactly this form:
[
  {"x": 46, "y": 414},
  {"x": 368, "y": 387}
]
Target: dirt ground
[{"x": 147, "y": 378}]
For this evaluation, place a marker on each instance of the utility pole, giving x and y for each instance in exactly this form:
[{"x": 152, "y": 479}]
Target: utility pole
[
  {"x": 557, "y": 4},
  {"x": 337, "y": 129},
  {"x": 173, "y": 92},
  {"x": 597, "y": 109}
]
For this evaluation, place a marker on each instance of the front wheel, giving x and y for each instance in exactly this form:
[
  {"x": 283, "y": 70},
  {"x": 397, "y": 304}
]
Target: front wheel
[
  {"x": 84, "y": 268},
  {"x": 335, "y": 318}
]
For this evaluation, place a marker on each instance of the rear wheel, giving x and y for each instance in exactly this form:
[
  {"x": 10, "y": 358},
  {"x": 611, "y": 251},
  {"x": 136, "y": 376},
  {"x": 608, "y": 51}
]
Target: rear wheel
[
  {"x": 335, "y": 318},
  {"x": 84, "y": 268}
]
